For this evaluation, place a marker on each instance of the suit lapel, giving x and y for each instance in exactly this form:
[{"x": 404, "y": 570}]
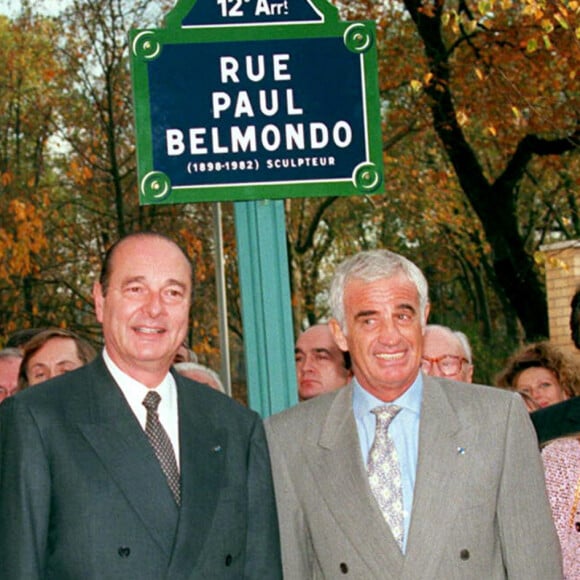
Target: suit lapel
[
  {"x": 337, "y": 467},
  {"x": 203, "y": 449},
  {"x": 441, "y": 437},
  {"x": 120, "y": 443}
]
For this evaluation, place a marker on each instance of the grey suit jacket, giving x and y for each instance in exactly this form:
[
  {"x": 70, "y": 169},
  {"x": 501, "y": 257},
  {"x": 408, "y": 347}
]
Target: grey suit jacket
[
  {"x": 479, "y": 511},
  {"x": 82, "y": 495}
]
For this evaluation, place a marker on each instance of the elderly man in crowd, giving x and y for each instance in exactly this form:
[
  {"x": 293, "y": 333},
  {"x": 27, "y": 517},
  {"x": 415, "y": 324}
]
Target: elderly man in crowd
[
  {"x": 446, "y": 354},
  {"x": 10, "y": 360},
  {"x": 402, "y": 476}
]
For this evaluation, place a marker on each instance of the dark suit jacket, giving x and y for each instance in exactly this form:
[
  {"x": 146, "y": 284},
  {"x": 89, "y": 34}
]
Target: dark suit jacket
[
  {"x": 82, "y": 495},
  {"x": 555, "y": 421}
]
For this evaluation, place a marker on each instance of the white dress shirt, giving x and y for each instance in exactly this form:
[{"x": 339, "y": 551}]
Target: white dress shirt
[{"x": 135, "y": 392}]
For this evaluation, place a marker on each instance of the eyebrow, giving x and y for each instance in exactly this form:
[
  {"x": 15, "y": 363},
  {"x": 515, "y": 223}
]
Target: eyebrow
[
  {"x": 143, "y": 279},
  {"x": 321, "y": 350},
  {"x": 364, "y": 313}
]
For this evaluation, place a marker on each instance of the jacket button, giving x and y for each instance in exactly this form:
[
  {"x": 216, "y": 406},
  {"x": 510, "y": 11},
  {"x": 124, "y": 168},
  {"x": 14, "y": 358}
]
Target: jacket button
[
  {"x": 124, "y": 551},
  {"x": 229, "y": 560},
  {"x": 343, "y": 568},
  {"x": 464, "y": 554}
]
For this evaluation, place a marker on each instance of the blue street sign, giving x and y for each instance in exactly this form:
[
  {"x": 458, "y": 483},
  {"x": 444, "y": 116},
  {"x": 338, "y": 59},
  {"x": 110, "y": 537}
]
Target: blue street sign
[{"x": 229, "y": 110}]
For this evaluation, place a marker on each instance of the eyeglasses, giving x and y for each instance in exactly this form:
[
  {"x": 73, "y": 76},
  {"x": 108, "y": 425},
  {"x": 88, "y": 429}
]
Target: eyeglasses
[{"x": 447, "y": 364}]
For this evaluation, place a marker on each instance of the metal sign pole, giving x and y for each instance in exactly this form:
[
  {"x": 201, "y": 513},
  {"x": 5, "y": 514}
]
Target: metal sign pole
[
  {"x": 267, "y": 318},
  {"x": 220, "y": 277}
]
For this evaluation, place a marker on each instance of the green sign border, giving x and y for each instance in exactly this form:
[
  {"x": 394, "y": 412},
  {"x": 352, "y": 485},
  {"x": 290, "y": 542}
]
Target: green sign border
[{"x": 146, "y": 45}]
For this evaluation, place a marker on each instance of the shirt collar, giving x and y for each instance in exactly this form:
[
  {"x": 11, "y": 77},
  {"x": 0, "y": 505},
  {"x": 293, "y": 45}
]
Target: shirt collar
[
  {"x": 135, "y": 391},
  {"x": 363, "y": 402}
]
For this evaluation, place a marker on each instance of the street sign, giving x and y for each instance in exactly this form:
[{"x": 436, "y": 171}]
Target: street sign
[{"x": 255, "y": 99}]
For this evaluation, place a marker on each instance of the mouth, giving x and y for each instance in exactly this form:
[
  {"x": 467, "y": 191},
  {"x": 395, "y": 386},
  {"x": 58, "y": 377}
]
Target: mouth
[
  {"x": 395, "y": 356},
  {"x": 308, "y": 383},
  {"x": 148, "y": 330}
]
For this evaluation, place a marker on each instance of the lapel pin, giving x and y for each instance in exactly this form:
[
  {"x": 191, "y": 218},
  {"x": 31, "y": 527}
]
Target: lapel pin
[{"x": 461, "y": 450}]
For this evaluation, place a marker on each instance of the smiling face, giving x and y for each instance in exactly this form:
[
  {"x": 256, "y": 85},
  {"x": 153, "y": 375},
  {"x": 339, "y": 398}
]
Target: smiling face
[
  {"x": 541, "y": 385},
  {"x": 145, "y": 310},
  {"x": 384, "y": 334}
]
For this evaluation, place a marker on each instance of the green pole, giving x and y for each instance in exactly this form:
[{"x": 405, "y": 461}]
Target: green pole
[{"x": 266, "y": 311}]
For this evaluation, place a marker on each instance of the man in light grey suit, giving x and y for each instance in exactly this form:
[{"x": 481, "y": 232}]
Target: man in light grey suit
[
  {"x": 469, "y": 493},
  {"x": 86, "y": 493}
]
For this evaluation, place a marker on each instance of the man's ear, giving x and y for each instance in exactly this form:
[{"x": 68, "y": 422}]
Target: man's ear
[
  {"x": 426, "y": 315},
  {"x": 98, "y": 299},
  {"x": 470, "y": 374},
  {"x": 337, "y": 334}
]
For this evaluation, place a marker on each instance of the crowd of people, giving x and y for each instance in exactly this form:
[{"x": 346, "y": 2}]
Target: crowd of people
[{"x": 394, "y": 464}]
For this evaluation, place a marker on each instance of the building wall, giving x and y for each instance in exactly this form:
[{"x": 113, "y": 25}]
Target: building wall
[{"x": 562, "y": 281}]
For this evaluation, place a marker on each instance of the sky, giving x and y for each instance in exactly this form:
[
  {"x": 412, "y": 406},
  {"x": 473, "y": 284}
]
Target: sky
[{"x": 51, "y": 7}]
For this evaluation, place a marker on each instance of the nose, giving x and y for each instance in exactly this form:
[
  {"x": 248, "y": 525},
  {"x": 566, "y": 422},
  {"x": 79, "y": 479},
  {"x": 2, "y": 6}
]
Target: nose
[
  {"x": 388, "y": 331},
  {"x": 307, "y": 364},
  {"x": 155, "y": 305},
  {"x": 436, "y": 372}
]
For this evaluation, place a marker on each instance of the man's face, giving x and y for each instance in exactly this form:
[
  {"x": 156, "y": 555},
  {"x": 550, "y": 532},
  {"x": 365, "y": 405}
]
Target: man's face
[
  {"x": 9, "y": 368},
  {"x": 319, "y": 363},
  {"x": 443, "y": 349},
  {"x": 145, "y": 311},
  {"x": 57, "y": 356},
  {"x": 384, "y": 334}
]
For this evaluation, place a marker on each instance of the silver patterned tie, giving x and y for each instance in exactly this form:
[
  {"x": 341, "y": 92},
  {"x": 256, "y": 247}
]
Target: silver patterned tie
[
  {"x": 385, "y": 473},
  {"x": 161, "y": 444}
]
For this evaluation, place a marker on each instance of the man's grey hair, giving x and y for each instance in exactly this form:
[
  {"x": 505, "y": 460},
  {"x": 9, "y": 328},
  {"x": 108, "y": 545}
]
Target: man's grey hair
[
  {"x": 10, "y": 353},
  {"x": 460, "y": 336},
  {"x": 370, "y": 266},
  {"x": 194, "y": 366}
]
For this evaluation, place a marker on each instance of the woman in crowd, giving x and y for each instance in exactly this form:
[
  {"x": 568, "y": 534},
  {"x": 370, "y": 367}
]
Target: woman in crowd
[
  {"x": 544, "y": 376},
  {"x": 52, "y": 352},
  {"x": 543, "y": 373}
]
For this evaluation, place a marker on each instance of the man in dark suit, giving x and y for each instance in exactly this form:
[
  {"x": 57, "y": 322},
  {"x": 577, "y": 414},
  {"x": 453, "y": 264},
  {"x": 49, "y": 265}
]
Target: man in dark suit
[
  {"x": 402, "y": 476},
  {"x": 95, "y": 486}
]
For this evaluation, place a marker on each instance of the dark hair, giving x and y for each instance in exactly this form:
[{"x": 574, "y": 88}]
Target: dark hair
[
  {"x": 347, "y": 360},
  {"x": 575, "y": 319},
  {"x": 22, "y": 336},
  {"x": 85, "y": 351},
  {"x": 107, "y": 265},
  {"x": 542, "y": 355}
]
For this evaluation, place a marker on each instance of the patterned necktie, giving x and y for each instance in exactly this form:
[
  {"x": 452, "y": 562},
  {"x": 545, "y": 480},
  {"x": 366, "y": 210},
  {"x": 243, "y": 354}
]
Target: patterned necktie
[
  {"x": 161, "y": 444},
  {"x": 384, "y": 472}
]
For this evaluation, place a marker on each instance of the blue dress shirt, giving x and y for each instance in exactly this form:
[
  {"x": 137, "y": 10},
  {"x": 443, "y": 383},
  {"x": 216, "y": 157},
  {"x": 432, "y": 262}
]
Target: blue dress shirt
[{"x": 404, "y": 430}]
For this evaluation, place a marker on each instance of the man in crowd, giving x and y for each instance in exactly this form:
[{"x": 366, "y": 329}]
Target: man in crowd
[
  {"x": 122, "y": 469},
  {"x": 446, "y": 354},
  {"x": 321, "y": 366},
  {"x": 452, "y": 488},
  {"x": 201, "y": 374},
  {"x": 10, "y": 360}
]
